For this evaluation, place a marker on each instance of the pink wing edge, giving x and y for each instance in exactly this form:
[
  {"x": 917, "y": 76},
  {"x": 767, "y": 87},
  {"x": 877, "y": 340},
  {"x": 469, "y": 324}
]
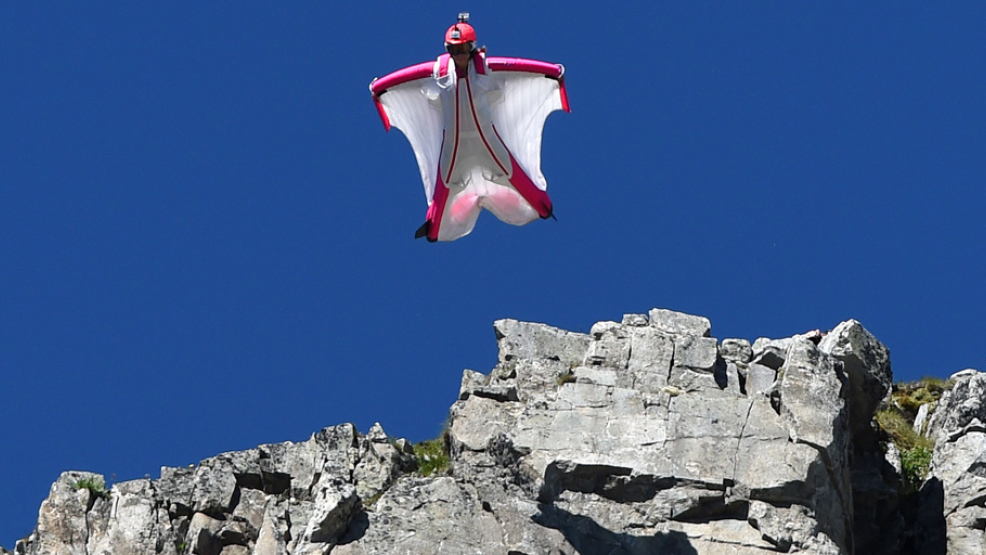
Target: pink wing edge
[{"x": 496, "y": 63}]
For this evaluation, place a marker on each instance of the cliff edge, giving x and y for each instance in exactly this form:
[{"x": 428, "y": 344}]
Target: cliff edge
[{"x": 644, "y": 436}]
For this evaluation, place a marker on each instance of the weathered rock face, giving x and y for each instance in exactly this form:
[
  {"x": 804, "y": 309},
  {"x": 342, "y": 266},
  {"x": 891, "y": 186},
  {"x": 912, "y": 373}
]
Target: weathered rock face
[
  {"x": 643, "y": 436},
  {"x": 647, "y": 434},
  {"x": 877, "y": 522},
  {"x": 278, "y": 498},
  {"x": 958, "y": 465}
]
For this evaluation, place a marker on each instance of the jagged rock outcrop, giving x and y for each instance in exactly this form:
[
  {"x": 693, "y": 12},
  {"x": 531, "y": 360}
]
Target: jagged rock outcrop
[
  {"x": 643, "y": 436},
  {"x": 957, "y": 478},
  {"x": 278, "y": 498},
  {"x": 647, "y": 433},
  {"x": 878, "y": 525}
]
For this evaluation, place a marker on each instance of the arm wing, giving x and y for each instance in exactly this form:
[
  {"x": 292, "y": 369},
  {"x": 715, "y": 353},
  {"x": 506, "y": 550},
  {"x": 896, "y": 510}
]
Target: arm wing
[
  {"x": 408, "y": 100},
  {"x": 531, "y": 91}
]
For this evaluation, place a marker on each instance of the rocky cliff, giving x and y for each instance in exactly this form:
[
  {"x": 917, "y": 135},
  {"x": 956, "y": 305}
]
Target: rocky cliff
[{"x": 643, "y": 436}]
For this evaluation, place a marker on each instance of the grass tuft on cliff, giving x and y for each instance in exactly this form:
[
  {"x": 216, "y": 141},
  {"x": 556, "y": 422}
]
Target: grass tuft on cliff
[
  {"x": 910, "y": 396},
  {"x": 915, "y": 449},
  {"x": 896, "y": 421},
  {"x": 433, "y": 456},
  {"x": 95, "y": 484}
]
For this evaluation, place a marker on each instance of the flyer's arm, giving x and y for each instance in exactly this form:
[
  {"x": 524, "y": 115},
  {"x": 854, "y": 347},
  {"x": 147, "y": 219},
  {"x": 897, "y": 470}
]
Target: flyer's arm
[
  {"x": 406, "y": 99},
  {"x": 531, "y": 91}
]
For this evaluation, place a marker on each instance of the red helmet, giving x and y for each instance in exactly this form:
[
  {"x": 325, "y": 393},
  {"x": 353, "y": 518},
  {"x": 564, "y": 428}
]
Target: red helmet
[{"x": 460, "y": 33}]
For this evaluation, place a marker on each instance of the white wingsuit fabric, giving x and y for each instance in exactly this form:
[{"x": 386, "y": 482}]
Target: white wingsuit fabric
[
  {"x": 413, "y": 108},
  {"x": 520, "y": 122},
  {"x": 468, "y": 133}
]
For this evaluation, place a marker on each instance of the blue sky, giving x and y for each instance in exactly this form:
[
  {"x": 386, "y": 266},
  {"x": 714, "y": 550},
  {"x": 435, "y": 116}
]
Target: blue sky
[{"x": 206, "y": 237}]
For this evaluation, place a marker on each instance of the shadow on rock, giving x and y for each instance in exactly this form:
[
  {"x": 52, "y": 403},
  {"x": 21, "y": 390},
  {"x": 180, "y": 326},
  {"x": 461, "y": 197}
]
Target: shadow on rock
[
  {"x": 589, "y": 538},
  {"x": 358, "y": 526},
  {"x": 924, "y": 512}
]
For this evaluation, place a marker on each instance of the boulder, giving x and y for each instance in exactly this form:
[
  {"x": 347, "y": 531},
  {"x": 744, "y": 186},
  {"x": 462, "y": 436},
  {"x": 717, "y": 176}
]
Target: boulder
[
  {"x": 524, "y": 340},
  {"x": 679, "y": 323}
]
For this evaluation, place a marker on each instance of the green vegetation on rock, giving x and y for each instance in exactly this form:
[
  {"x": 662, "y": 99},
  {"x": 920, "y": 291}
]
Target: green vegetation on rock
[
  {"x": 896, "y": 420},
  {"x": 915, "y": 449},
  {"x": 433, "y": 456},
  {"x": 95, "y": 484},
  {"x": 910, "y": 396},
  {"x": 915, "y": 463}
]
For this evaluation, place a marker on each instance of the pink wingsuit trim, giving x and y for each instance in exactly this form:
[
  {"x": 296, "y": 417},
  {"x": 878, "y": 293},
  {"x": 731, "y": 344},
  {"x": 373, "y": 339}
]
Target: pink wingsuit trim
[
  {"x": 537, "y": 198},
  {"x": 455, "y": 147},
  {"x": 499, "y": 63},
  {"x": 401, "y": 76},
  {"x": 477, "y": 60},
  {"x": 564, "y": 95},
  {"x": 443, "y": 64},
  {"x": 436, "y": 210},
  {"x": 380, "y": 86},
  {"x": 382, "y": 112}
]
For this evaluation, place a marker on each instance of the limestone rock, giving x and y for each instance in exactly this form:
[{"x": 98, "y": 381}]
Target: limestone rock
[
  {"x": 431, "y": 516},
  {"x": 654, "y": 419},
  {"x": 960, "y": 408},
  {"x": 214, "y": 487},
  {"x": 523, "y": 340},
  {"x": 649, "y": 366},
  {"x": 677, "y": 323},
  {"x": 770, "y": 352},
  {"x": 380, "y": 464},
  {"x": 62, "y": 526},
  {"x": 866, "y": 362},
  {"x": 758, "y": 379},
  {"x": 203, "y": 535},
  {"x": 958, "y": 465},
  {"x": 643, "y": 436},
  {"x": 636, "y": 320},
  {"x": 924, "y": 415},
  {"x": 134, "y": 521},
  {"x": 736, "y": 350},
  {"x": 335, "y": 503},
  {"x": 695, "y": 353},
  {"x": 274, "y": 531},
  {"x": 275, "y": 499}
]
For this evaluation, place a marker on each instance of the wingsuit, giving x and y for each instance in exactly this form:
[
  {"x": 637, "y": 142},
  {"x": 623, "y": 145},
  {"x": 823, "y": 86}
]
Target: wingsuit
[{"x": 475, "y": 125}]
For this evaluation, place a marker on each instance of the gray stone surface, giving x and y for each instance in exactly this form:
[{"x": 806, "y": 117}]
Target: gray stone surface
[
  {"x": 958, "y": 465},
  {"x": 678, "y": 323},
  {"x": 62, "y": 520},
  {"x": 520, "y": 340},
  {"x": 643, "y": 436},
  {"x": 759, "y": 379},
  {"x": 961, "y": 408},
  {"x": 656, "y": 438},
  {"x": 438, "y": 515},
  {"x": 866, "y": 362},
  {"x": 278, "y": 498},
  {"x": 736, "y": 350}
]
